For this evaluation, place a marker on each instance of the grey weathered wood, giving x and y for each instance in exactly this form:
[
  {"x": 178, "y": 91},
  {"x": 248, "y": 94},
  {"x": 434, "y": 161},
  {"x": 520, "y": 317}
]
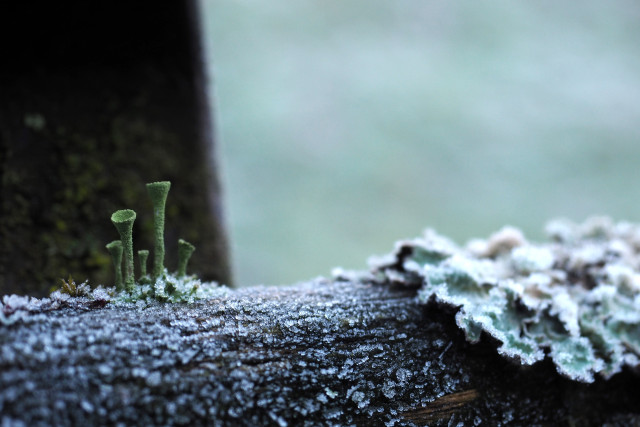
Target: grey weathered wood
[{"x": 319, "y": 353}]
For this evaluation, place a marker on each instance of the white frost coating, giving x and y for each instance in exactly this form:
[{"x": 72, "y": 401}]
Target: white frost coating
[
  {"x": 480, "y": 270},
  {"x": 167, "y": 288},
  {"x": 438, "y": 242},
  {"x": 14, "y": 308},
  {"x": 577, "y": 297},
  {"x": 623, "y": 277},
  {"x": 567, "y": 310},
  {"x": 170, "y": 288},
  {"x": 332, "y": 394},
  {"x": 528, "y": 259},
  {"x": 504, "y": 240},
  {"x": 561, "y": 230},
  {"x": 403, "y": 375}
]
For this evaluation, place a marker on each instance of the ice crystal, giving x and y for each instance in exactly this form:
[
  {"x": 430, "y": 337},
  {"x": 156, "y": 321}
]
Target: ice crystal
[
  {"x": 167, "y": 288},
  {"x": 14, "y": 308},
  {"x": 576, "y": 298}
]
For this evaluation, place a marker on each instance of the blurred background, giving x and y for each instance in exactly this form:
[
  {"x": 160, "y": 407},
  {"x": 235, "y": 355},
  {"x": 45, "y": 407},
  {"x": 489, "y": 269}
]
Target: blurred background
[{"x": 345, "y": 126}]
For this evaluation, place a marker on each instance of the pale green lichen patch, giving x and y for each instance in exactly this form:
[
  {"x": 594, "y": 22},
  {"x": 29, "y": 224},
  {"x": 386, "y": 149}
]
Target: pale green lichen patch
[
  {"x": 172, "y": 288},
  {"x": 575, "y": 299}
]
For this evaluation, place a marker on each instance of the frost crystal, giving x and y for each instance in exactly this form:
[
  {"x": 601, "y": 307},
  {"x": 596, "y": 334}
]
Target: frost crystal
[
  {"x": 576, "y": 299},
  {"x": 14, "y": 308},
  {"x": 167, "y": 288}
]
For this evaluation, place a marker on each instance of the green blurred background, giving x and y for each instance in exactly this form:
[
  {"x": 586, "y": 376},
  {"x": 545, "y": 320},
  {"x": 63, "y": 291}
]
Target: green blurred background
[{"x": 346, "y": 125}]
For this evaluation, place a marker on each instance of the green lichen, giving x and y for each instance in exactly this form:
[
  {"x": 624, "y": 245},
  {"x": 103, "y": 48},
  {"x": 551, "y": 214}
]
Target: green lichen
[
  {"x": 161, "y": 285},
  {"x": 158, "y": 192},
  {"x": 123, "y": 221},
  {"x": 185, "y": 249},
  {"x": 143, "y": 254},
  {"x": 92, "y": 145},
  {"x": 173, "y": 289},
  {"x": 575, "y": 299},
  {"x": 115, "y": 249}
]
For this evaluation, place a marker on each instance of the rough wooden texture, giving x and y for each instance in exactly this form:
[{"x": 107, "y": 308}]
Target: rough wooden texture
[{"x": 319, "y": 353}]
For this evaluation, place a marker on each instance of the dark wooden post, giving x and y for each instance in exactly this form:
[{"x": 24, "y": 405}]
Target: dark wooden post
[{"x": 96, "y": 99}]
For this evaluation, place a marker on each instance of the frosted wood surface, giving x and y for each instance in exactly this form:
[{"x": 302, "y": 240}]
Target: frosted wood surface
[{"x": 319, "y": 353}]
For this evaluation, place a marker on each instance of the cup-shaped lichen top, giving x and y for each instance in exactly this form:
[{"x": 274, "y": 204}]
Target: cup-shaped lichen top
[
  {"x": 123, "y": 221},
  {"x": 143, "y": 254},
  {"x": 185, "y": 249},
  {"x": 158, "y": 193},
  {"x": 115, "y": 249}
]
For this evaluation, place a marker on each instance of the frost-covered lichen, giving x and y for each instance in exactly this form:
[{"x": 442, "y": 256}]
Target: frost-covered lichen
[
  {"x": 171, "y": 288},
  {"x": 160, "y": 284},
  {"x": 167, "y": 288},
  {"x": 575, "y": 299}
]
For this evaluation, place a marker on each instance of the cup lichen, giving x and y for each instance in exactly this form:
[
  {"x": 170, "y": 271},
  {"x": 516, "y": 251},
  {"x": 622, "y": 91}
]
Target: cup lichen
[
  {"x": 143, "y": 254},
  {"x": 185, "y": 249},
  {"x": 158, "y": 192},
  {"x": 123, "y": 221},
  {"x": 115, "y": 249},
  {"x": 160, "y": 285}
]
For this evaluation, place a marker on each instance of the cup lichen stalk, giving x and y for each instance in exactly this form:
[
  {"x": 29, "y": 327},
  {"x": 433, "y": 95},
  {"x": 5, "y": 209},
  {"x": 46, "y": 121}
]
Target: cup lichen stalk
[
  {"x": 157, "y": 283},
  {"x": 123, "y": 221},
  {"x": 143, "y": 254},
  {"x": 185, "y": 249},
  {"x": 115, "y": 249},
  {"x": 158, "y": 193}
]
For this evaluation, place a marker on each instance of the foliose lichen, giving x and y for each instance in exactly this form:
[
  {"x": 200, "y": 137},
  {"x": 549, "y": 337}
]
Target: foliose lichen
[{"x": 574, "y": 299}]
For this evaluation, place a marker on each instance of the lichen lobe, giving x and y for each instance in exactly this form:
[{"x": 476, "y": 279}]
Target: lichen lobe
[{"x": 574, "y": 299}]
